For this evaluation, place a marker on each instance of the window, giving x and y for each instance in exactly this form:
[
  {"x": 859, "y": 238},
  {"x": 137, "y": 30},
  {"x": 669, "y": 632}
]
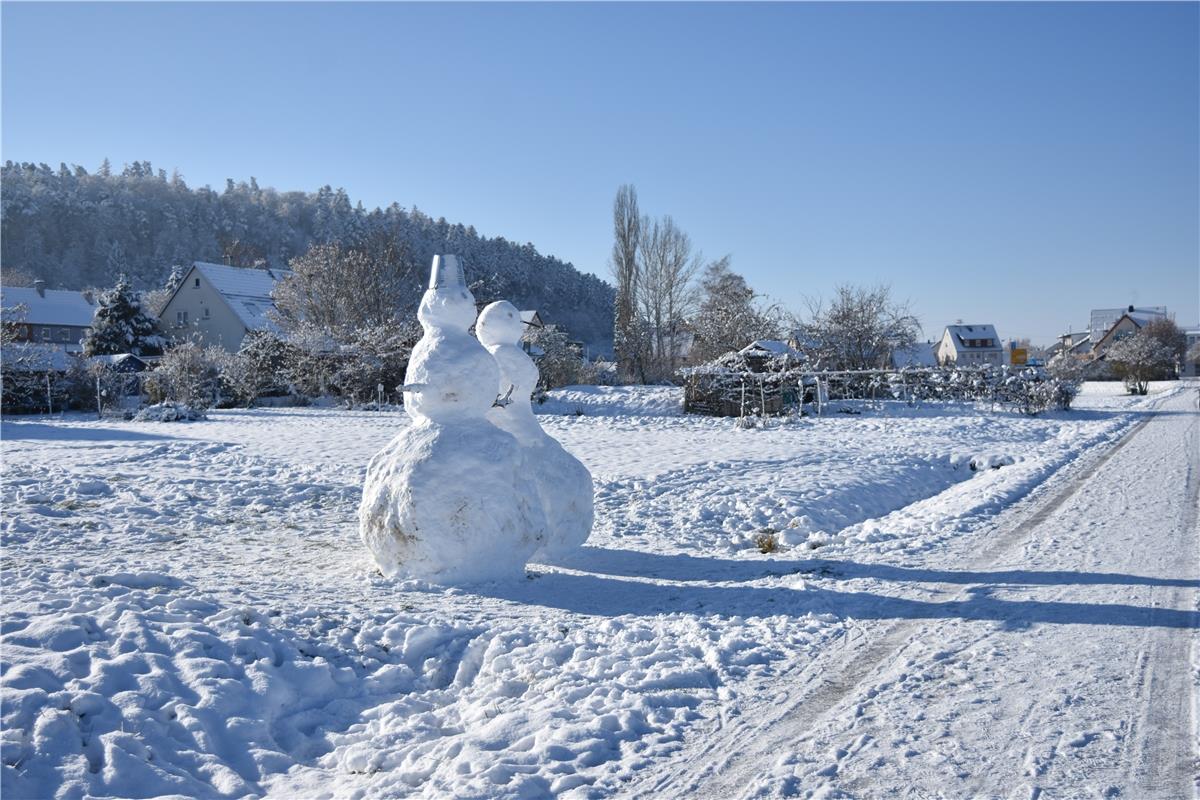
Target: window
[
  {"x": 196, "y": 285},
  {"x": 64, "y": 334},
  {"x": 206, "y": 315},
  {"x": 181, "y": 319},
  {"x": 45, "y": 334}
]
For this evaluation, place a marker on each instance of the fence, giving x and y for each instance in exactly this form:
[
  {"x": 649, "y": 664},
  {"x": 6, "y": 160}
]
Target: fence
[{"x": 718, "y": 390}]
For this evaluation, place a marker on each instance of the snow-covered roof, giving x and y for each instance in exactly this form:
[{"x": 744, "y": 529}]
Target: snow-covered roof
[
  {"x": 921, "y": 354},
  {"x": 1103, "y": 319},
  {"x": 772, "y": 346},
  {"x": 35, "y": 357},
  {"x": 248, "y": 291},
  {"x": 964, "y": 333},
  {"x": 124, "y": 361},
  {"x": 531, "y": 318},
  {"x": 1143, "y": 318},
  {"x": 50, "y": 306}
]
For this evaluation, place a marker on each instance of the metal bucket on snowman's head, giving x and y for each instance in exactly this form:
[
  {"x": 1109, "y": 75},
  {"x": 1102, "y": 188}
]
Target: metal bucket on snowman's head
[{"x": 447, "y": 273}]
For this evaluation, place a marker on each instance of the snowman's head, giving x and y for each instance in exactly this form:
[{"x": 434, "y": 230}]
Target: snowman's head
[
  {"x": 447, "y": 303},
  {"x": 500, "y": 323}
]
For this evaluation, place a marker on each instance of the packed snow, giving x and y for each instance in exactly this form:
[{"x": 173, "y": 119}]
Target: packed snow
[{"x": 188, "y": 609}]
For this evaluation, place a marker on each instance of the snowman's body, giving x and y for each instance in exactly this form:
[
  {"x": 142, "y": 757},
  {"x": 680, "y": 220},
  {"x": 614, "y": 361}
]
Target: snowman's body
[
  {"x": 563, "y": 483},
  {"x": 447, "y": 499}
]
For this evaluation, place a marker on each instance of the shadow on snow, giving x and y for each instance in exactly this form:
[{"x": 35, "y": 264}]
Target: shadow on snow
[{"x": 691, "y": 591}]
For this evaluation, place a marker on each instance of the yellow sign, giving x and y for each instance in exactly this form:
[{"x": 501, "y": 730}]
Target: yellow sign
[{"x": 1019, "y": 355}]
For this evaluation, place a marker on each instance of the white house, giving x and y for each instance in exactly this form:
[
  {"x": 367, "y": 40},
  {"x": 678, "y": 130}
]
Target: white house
[
  {"x": 51, "y": 317},
  {"x": 1191, "y": 356},
  {"x": 1127, "y": 324},
  {"x": 219, "y": 305},
  {"x": 970, "y": 346},
  {"x": 1103, "y": 319}
]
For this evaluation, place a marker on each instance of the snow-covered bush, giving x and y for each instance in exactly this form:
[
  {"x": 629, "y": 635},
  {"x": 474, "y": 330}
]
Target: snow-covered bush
[
  {"x": 187, "y": 374},
  {"x": 1140, "y": 358},
  {"x": 729, "y": 387},
  {"x": 259, "y": 368},
  {"x": 374, "y": 356},
  {"x": 169, "y": 412},
  {"x": 558, "y": 359}
]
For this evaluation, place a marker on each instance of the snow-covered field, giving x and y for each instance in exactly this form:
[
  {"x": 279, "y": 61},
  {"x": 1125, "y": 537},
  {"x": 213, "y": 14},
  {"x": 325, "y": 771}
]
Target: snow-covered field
[{"x": 188, "y": 610}]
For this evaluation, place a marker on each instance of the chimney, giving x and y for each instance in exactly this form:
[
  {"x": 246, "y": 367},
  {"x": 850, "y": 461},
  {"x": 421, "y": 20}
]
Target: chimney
[
  {"x": 1131, "y": 309},
  {"x": 40, "y": 286}
]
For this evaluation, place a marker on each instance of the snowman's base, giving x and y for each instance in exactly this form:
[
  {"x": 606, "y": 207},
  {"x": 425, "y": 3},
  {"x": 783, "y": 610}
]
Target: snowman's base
[
  {"x": 565, "y": 487},
  {"x": 438, "y": 505}
]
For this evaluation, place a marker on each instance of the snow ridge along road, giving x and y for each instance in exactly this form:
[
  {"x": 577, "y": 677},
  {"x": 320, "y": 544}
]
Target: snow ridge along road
[{"x": 1057, "y": 664}]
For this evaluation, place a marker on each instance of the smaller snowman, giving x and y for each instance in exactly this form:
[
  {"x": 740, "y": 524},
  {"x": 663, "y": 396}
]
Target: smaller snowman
[
  {"x": 447, "y": 500},
  {"x": 564, "y": 484}
]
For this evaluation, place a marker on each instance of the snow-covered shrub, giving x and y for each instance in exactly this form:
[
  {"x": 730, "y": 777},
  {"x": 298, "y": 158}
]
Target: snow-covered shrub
[
  {"x": 375, "y": 356},
  {"x": 766, "y": 540},
  {"x": 258, "y": 369},
  {"x": 188, "y": 374},
  {"x": 558, "y": 359},
  {"x": 169, "y": 412},
  {"x": 729, "y": 388},
  {"x": 1140, "y": 358}
]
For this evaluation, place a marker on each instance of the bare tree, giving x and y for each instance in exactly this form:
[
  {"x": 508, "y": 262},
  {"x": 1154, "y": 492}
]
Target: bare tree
[
  {"x": 626, "y": 236},
  {"x": 340, "y": 290},
  {"x": 666, "y": 291},
  {"x": 860, "y": 329}
]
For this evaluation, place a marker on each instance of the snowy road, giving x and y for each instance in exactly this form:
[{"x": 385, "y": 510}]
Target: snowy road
[{"x": 1054, "y": 662}]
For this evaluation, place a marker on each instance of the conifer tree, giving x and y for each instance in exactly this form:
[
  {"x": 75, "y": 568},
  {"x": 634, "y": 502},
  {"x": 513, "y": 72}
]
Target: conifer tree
[{"x": 120, "y": 325}]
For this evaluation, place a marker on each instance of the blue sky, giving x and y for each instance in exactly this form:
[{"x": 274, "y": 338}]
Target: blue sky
[{"x": 1017, "y": 164}]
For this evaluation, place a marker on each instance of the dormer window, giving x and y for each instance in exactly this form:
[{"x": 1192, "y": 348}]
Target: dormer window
[{"x": 196, "y": 284}]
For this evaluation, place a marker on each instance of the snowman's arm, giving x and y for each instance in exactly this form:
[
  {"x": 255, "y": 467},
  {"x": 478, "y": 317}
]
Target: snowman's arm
[{"x": 505, "y": 399}]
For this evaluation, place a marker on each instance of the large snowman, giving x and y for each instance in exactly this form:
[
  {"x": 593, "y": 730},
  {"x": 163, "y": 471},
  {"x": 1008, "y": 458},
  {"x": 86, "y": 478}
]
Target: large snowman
[
  {"x": 447, "y": 500},
  {"x": 563, "y": 483}
]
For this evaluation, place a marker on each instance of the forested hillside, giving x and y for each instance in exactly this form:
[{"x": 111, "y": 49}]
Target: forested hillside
[{"x": 76, "y": 229}]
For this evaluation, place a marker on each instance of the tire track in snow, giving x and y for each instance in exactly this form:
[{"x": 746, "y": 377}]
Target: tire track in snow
[{"x": 736, "y": 753}]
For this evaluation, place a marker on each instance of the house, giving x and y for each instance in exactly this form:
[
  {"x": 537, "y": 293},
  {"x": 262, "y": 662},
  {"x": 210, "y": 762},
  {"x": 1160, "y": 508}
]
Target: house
[
  {"x": 219, "y": 305},
  {"x": 970, "y": 346},
  {"x": 921, "y": 354},
  {"x": 1191, "y": 354},
  {"x": 532, "y": 319},
  {"x": 1076, "y": 345},
  {"x": 123, "y": 363},
  {"x": 53, "y": 317},
  {"x": 1129, "y": 323},
  {"x": 1103, "y": 319}
]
